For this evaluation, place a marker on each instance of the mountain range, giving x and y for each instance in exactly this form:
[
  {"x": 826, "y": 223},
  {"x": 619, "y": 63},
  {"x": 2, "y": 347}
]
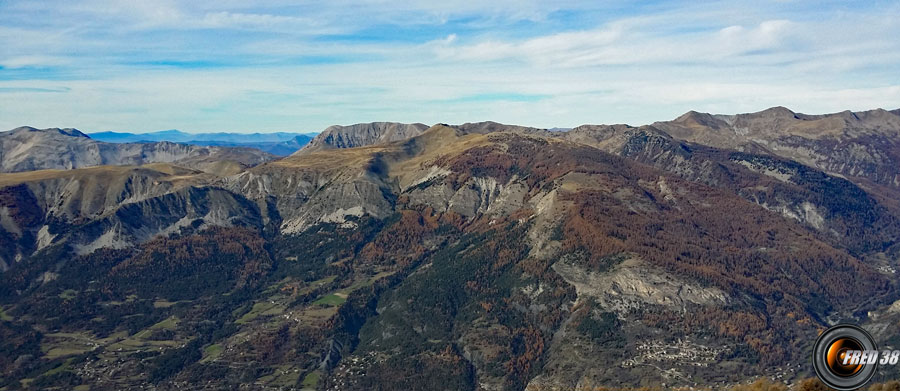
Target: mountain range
[
  {"x": 276, "y": 143},
  {"x": 698, "y": 252},
  {"x": 28, "y": 149}
]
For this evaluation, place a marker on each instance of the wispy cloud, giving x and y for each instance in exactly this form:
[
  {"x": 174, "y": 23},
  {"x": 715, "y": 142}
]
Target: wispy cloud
[
  {"x": 252, "y": 21},
  {"x": 33, "y": 61},
  {"x": 281, "y": 65},
  {"x": 31, "y": 89}
]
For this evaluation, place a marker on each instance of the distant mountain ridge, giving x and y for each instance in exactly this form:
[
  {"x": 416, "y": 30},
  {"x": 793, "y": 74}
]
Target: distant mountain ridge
[
  {"x": 864, "y": 145},
  {"x": 276, "y": 143},
  {"x": 28, "y": 149},
  {"x": 177, "y": 136},
  {"x": 375, "y": 133}
]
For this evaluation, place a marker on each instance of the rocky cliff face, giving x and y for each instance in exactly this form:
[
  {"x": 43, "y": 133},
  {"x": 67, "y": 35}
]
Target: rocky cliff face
[
  {"x": 28, "y": 149},
  {"x": 111, "y": 207},
  {"x": 329, "y": 186}
]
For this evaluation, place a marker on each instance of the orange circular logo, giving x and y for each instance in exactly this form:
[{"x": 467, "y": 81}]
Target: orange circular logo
[{"x": 836, "y": 354}]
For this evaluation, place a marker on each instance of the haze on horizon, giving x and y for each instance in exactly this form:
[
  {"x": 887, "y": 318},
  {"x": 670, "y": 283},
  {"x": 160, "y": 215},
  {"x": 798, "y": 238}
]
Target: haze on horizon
[{"x": 212, "y": 66}]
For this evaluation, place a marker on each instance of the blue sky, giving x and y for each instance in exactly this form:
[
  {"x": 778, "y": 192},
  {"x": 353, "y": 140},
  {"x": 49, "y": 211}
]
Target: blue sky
[{"x": 226, "y": 65}]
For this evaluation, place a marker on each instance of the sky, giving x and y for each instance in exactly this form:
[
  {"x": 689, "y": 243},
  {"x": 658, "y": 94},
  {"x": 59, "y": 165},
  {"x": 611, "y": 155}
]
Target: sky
[{"x": 239, "y": 66}]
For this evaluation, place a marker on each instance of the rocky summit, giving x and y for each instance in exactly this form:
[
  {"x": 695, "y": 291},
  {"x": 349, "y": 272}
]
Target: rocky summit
[
  {"x": 698, "y": 252},
  {"x": 359, "y": 135}
]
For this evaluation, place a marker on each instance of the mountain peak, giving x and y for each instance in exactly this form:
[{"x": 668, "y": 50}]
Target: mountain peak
[
  {"x": 778, "y": 111},
  {"x": 694, "y": 118},
  {"x": 362, "y": 134},
  {"x": 690, "y": 115},
  {"x": 72, "y": 132}
]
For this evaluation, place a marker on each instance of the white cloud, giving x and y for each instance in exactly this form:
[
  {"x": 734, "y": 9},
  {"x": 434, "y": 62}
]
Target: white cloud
[
  {"x": 420, "y": 60},
  {"x": 625, "y": 43}
]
